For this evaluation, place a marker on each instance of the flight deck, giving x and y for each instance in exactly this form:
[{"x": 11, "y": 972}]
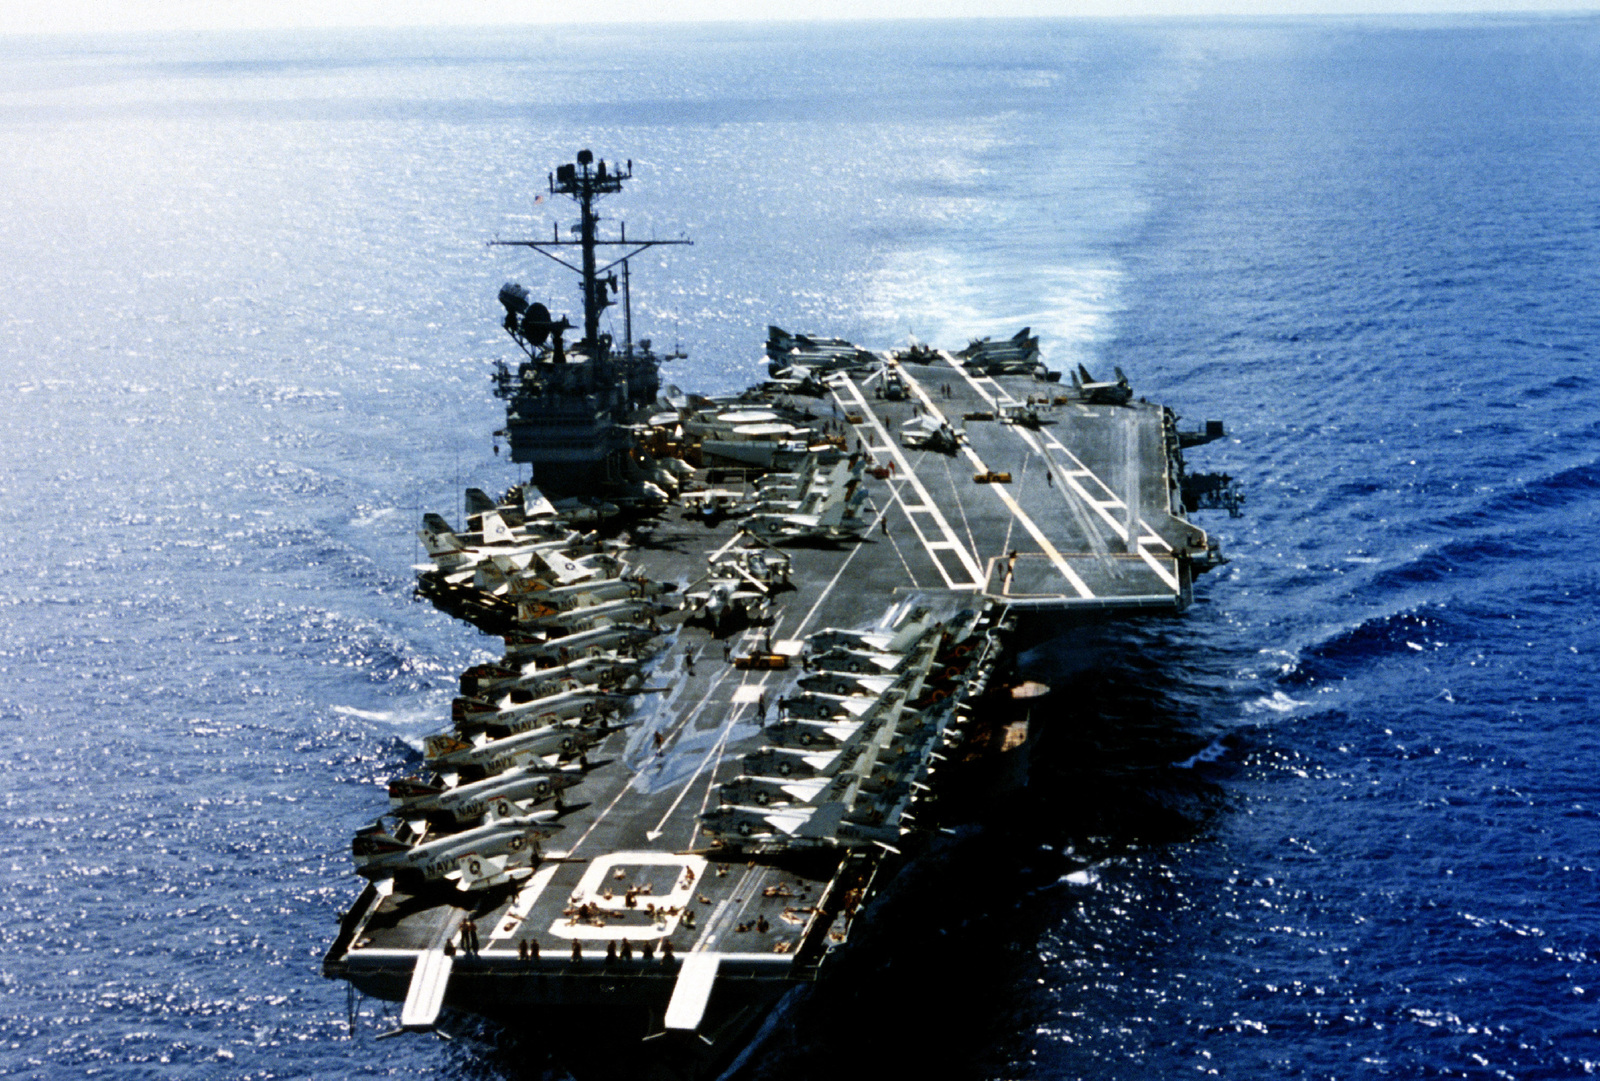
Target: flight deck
[
  {"x": 759, "y": 652},
  {"x": 1045, "y": 503}
]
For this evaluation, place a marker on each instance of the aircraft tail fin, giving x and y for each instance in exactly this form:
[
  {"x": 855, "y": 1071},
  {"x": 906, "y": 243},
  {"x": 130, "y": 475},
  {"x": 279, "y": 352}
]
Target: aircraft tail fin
[
  {"x": 495, "y": 530},
  {"x": 908, "y": 634},
  {"x": 478, "y": 501},
  {"x": 824, "y": 821},
  {"x": 437, "y": 536},
  {"x": 480, "y": 872},
  {"x": 832, "y": 514},
  {"x": 535, "y": 505},
  {"x": 375, "y": 841},
  {"x": 441, "y": 744},
  {"x": 498, "y": 810},
  {"x": 565, "y": 569}
]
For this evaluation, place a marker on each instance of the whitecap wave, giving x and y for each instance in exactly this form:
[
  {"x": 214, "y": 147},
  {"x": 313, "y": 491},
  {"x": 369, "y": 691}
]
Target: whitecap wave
[{"x": 1277, "y": 702}]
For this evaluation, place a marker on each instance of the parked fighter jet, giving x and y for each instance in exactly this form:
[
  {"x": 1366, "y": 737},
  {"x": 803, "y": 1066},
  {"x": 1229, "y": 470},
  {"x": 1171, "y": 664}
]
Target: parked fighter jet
[
  {"x": 410, "y": 798},
  {"x": 491, "y": 756},
  {"x": 923, "y": 432},
  {"x": 858, "y": 661},
  {"x": 876, "y": 794},
  {"x": 531, "y": 567},
  {"x": 726, "y": 601},
  {"x": 513, "y": 684},
  {"x": 821, "y": 355},
  {"x": 607, "y": 613},
  {"x": 824, "y": 823},
  {"x": 766, "y": 791},
  {"x": 1088, "y": 390},
  {"x": 905, "y": 634},
  {"x": 524, "y": 510},
  {"x": 737, "y": 587},
  {"x": 795, "y": 379},
  {"x": 585, "y": 704},
  {"x": 835, "y": 638},
  {"x": 838, "y": 517},
  {"x": 534, "y": 599},
  {"x": 1018, "y": 355},
  {"x": 811, "y": 735},
  {"x": 846, "y": 683},
  {"x": 501, "y": 850},
  {"x": 619, "y": 637},
  {"x": 821, "y": 707},
  {"x": 789, "y": 762},
  {"x": 757, "y": 822},
  {"x": 451, "y": 551}
]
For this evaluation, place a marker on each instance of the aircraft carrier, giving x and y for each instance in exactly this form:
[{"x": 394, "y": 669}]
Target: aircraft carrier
[{"x": 758, "y": 653}]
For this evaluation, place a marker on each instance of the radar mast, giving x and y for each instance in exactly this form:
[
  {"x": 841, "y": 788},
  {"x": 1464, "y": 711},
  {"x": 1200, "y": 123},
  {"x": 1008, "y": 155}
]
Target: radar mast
[{"x": 585, "y": 182}]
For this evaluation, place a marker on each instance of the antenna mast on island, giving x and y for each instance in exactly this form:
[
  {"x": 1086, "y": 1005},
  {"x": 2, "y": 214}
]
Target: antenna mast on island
[{"x": 585, "y": 181}]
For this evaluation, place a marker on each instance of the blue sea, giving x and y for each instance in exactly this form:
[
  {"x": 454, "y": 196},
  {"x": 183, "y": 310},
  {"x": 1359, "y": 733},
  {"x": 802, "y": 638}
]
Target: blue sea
[{"x": 1341, "y": 820}]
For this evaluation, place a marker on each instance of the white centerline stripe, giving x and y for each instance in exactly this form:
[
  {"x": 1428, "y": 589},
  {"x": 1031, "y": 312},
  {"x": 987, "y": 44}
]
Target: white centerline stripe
[
  {"x": 968, "y": 559},
  {"x": 1039, "y": 538},
  {"x": 1102, "y": 508}
]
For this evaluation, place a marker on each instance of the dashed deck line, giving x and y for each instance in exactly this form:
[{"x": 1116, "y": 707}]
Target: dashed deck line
[
  {"x": 1062, "y": 566},
  {"x": 1102, "y": 507},
  {"x": 910, "y": 575},
  {"x": 969, "y": 560}
]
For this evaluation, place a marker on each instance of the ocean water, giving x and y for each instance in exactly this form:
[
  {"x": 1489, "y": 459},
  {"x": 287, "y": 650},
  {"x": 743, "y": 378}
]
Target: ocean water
[{"x": 1341, "y": 820}]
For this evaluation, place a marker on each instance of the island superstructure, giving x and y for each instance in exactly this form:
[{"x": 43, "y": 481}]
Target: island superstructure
[{"x": 758, "y": 651}]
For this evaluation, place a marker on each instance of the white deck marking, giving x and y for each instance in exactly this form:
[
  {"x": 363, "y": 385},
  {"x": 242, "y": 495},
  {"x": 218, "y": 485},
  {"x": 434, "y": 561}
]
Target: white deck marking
[
  {"x": 1034, "y": 531},
  {"x": 969, "y": 560},
  {"x": 524, "y": 904},
  {"x": 596, "y": 878},
  {"x": 961, "y": 504},
  {"x": 882, "y": 514},
  {"x": 1101, "y": 507}
]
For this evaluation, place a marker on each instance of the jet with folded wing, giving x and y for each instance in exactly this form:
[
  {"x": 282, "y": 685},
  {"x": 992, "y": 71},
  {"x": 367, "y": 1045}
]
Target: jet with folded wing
[
  {"x": 507, "y": 793},
  {"x": 925, "y": 432},
  {"x": 503, "y": 849},
  {"x": 838, "y": 517},
  {"x": 1091, "y": 390}
]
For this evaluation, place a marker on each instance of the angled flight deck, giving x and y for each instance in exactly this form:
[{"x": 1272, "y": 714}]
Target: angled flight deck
[{"x": 1086, "y": 519}]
